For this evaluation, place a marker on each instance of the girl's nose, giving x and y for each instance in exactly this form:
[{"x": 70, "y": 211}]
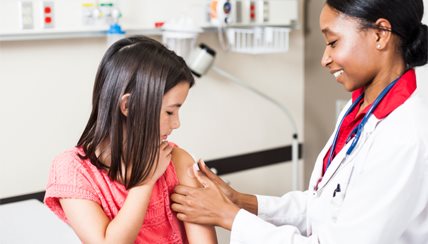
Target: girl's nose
[{"x": 175, "y": 123}]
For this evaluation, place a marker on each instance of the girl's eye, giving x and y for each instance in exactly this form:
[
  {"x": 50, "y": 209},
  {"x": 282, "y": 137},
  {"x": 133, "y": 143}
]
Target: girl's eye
[
  {"x": 332, "y": 43},
  {"x": 169, "y": 113}
]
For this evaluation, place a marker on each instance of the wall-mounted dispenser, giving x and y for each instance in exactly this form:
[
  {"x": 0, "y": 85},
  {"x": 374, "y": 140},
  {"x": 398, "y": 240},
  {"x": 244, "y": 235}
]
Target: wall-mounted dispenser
[
  {"x": 253, "y": 12},
  {"x": 254, "y": 26}
]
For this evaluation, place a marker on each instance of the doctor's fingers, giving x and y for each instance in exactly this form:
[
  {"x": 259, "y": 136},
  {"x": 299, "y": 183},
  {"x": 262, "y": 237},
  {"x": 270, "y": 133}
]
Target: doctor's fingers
[
  {"x": 197, "y": 219},
  {"x": 177, "y": 200},
  {"x": 204, "y": 180},
  {"x": 184, "y": 190},
  {"x": 210, "y": 175},
  {"x": 189, "y": 210},
  {"x": 203, "y": 167},
  {"x": 178, "y": 207},
  {"x": 227, "y": 190},
  {"x": 186, "y": 206},
  {"x": 188, "y": 195}
]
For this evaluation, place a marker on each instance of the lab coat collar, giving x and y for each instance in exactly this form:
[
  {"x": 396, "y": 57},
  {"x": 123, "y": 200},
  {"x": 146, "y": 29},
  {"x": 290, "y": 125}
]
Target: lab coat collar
[{"x": 398, "y": 94}]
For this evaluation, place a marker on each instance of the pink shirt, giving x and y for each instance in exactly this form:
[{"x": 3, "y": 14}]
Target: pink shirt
[{"x": 72, "y": 177}]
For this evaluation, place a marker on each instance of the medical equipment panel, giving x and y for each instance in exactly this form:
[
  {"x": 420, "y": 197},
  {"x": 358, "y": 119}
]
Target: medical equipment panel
[
  {"x": 40, "y": 19},
  {"x": 253, "y": 12}
]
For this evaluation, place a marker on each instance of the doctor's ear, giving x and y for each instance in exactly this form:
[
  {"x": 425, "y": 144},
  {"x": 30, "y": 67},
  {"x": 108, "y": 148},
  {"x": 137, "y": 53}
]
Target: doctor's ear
[
  {"x": 383, "y": 33},
  {"x": 124, "y": 104}
]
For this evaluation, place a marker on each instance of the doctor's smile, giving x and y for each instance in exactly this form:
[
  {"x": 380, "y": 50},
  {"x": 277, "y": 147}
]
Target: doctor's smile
[{"x": 336, "y": 74}]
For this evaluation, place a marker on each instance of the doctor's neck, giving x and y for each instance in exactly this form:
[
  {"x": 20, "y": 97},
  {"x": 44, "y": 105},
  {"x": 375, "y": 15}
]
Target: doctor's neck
[{"x": 391, "y": 69}]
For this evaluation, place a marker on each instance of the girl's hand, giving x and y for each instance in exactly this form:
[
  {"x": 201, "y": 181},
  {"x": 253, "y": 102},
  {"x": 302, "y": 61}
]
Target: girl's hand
[{"x": 164, "y": 158}]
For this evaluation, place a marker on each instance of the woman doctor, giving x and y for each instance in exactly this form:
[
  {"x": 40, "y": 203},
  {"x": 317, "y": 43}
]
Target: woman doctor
[{"x": 370, "y": 182}]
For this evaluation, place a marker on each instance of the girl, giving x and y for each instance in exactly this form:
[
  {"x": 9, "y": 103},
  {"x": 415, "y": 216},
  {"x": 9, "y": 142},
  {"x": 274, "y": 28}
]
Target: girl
[{"x": 114, "y": 186}]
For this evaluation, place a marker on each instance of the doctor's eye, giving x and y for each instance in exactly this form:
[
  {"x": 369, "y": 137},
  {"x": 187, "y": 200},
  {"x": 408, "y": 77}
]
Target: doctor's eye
[{"x": 332, "y": 43}]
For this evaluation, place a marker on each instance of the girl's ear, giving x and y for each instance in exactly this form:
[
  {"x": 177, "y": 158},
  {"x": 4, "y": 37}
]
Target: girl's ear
[
  {"x": 383, "y": 33},
  {"x": 124, "y": 104}
]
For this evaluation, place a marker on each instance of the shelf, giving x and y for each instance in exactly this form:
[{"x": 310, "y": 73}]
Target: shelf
[
  {"x": 90, "y": 33},
  {"x": 29, "y": 35}
]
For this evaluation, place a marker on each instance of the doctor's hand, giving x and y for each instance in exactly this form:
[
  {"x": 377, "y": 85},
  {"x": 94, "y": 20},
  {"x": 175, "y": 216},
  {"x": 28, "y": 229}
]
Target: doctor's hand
[
  {"x": 230, "y": 193},
  {"x": 242, "y": 200},
  {"x": 207, "y": 205}
]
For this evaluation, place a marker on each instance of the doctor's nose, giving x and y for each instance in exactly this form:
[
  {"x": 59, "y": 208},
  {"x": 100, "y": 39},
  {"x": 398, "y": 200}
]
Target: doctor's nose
[{"x": 326, "y": 58}]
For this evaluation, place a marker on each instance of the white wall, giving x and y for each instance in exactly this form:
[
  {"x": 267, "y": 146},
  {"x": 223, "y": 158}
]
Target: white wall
[
  {"x": 422, "y": 72},
  {"x": 45, "y": 100}
]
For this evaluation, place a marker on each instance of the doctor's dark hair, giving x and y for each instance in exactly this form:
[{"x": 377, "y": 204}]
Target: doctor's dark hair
[
  {"x": 405, "y": 17},
  {"x": 146, "y": 70}
]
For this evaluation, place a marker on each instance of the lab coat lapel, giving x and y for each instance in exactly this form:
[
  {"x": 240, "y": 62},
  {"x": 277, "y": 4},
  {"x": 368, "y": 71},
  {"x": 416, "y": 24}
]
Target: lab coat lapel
[
  {"x": 334, "y": 165},
  {"x": 340, "y": 157},
  {"x": 317, "y": 172}
]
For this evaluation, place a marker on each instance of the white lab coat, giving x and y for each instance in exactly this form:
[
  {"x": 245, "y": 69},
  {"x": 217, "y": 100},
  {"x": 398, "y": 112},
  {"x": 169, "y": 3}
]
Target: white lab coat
[{"x": 385, "y": 201}]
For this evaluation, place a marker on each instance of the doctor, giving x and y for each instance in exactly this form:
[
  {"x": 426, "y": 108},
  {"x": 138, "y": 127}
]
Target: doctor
[{"x": 370, "y": 182}]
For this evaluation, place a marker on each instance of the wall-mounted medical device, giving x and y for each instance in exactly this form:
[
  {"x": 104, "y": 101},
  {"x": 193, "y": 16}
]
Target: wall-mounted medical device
[
  {"x": 220, "y": 11},
  {"x": 32, "y": 19},
  {"x": 253, "y": 12},
  {"x": 254, "y": 26}
]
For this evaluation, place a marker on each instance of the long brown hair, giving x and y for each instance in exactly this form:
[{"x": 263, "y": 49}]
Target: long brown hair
[{"x": 146, "y": 70}]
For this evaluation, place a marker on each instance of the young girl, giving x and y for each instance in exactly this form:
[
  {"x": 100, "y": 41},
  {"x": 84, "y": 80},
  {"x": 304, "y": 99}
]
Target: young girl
[{"x": 114, "y": 186}]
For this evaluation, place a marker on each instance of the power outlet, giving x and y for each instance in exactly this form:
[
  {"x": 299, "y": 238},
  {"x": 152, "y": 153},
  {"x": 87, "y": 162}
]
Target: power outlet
[
  {"x": 48, "y": 14},
  {"x": 265, "y": 11},
  {"x": 26, "y": 15}
]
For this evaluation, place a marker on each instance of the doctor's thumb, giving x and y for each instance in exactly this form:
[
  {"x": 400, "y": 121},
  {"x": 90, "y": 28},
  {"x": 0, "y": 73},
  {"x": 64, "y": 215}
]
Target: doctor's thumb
[
  {"x": 206, "y": 170},
  {"x": 202, "y": 178}
]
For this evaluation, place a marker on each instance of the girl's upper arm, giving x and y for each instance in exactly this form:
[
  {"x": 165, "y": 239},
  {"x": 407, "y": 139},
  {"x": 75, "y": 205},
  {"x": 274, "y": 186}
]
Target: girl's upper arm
[
  {"x": 86, "y": 218},
  {"x": 183, "y": 163}
]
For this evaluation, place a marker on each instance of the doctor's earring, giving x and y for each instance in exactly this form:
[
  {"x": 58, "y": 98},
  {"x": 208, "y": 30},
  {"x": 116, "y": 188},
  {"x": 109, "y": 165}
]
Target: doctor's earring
[{"x": 378, "y": 46}]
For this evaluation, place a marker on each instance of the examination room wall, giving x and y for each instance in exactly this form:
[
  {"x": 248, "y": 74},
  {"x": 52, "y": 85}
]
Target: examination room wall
[{"x": 422, "y": 72}]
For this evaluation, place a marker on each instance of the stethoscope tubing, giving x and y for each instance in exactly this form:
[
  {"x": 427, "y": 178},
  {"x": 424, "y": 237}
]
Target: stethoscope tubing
[
  {"x": 360, "y": 126},
  {"x": 357, "y": 132}
]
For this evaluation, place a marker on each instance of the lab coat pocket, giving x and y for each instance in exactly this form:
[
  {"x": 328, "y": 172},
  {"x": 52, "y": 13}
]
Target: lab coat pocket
[
  {"x": 338, "y": 190},
  {"x": 337, "y": 201}
]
